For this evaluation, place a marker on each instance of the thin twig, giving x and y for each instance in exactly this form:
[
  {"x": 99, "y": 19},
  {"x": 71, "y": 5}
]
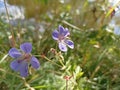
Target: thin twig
[
  {"x": 71, "y": 25},
  {"x": 10, "y": 27},
  {"x": 100, "y": 60}
]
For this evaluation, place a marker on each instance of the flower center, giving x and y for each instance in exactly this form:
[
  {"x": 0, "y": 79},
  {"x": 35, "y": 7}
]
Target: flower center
[
  {"x": 27, "y": 57},
  {"x": 19, "y": 61},
  {"x": 61, "y": 37}
]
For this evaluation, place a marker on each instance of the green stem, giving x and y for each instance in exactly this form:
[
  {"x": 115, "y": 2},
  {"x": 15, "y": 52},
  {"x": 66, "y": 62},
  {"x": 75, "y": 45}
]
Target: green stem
[
  {"x": 61, "y": 63},
  {"x": 27, "y": 85},
  {"x": 48, "y": 60},
  {"x": 66, "y": 84}
]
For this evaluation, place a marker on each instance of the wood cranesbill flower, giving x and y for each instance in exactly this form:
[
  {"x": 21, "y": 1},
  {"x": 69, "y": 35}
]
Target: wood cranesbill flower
[
  {"x": 61, "y": 36},
  {"x": 23, "y": 59}
]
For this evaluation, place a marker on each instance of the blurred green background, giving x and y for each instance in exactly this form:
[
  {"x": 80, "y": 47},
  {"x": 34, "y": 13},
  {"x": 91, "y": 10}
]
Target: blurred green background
[{"x": 94, "y": 63}]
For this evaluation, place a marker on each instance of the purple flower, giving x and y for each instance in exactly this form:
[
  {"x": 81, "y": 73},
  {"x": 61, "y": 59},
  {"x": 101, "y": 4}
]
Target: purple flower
[
  {"x": 61, "y": 36},
  {"x": 23, "y": 59}
]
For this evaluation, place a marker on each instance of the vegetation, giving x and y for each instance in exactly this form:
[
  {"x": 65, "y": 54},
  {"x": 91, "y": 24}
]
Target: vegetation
[{"x": 94, "y": 62}]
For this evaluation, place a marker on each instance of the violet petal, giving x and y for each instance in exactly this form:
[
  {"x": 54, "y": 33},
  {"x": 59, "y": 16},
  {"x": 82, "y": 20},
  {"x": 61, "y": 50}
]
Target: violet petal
[
  {"x": 66, "y": 32},
  {"x": 24, "y": 69},
  {"x": 55, "y": 35},
  {"x": 62, "y": 47},
  {"x": 34, "y": 62},
  {"x": 15, "y": 65},
  {"x": 61, "y": 30},
  {"x": 69, "y": 43},
  {"x": 26, "y": 47},
  {"x": 14, "y": 53}
]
